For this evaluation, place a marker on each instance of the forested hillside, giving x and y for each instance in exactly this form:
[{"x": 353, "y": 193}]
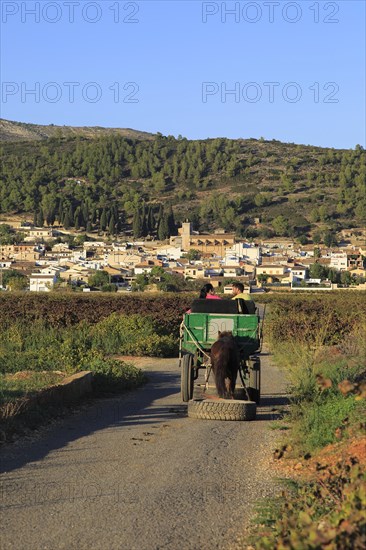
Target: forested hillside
[{"x": 114, "y": 183}]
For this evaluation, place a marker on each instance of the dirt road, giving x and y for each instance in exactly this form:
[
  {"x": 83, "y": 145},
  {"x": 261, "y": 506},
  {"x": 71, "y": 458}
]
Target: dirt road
[{"x": 134, "y": 472}]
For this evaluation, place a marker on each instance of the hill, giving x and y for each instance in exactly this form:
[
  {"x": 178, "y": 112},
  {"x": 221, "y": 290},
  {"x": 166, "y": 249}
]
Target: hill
[
  {"x": 101, "y": 179},
  {"x": 20, "y": 131}
]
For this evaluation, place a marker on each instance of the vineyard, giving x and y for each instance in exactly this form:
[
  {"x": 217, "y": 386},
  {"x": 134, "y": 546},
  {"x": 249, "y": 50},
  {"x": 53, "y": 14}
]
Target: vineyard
[{"x": 67, "y": 310}]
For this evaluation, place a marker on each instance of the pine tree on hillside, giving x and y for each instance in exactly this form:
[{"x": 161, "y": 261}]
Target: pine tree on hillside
[
  {"x": 85, "y": 213},
  {"x": 111, "y": 226},
  {"x": 66, "y": 220},
  {"x": 71, "y": 213},
  {"x": 119, "y": 220},
  {"x": 150, "y": 220},
  {"x": 40, "y": 218},
  {"x": 171, "y": 221},
  {"x": 77, "y": 218},
  {"x": 163, "y": 227},
  {"x": 51, "y": 216},
  {"x": 60, "y": 212},
  {"x": 94, "y": 216},
  {"x": 144, "y": 220},
  {"x": 103, "y": 220},
  {"x": 137, "y": 224}
]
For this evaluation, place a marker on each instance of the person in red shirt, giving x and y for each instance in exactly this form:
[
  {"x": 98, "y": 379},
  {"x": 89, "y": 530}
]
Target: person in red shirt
[{"x": 208, "y": 292}]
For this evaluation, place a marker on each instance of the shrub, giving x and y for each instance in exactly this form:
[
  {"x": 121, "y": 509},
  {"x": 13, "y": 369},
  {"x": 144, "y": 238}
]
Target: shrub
[
  {"x": 39, "y": 347},
  {"x": 113, "y": 376},
  {"x": 318, "y": 407},
  {"x": 317, "y": 422},
  {"x": 132, "y": 335},
  {"x": 324, "y": 514}
]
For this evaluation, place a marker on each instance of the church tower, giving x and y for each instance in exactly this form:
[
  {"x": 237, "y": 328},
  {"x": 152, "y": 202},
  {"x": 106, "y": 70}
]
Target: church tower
[{"x": 186, "y": 236}]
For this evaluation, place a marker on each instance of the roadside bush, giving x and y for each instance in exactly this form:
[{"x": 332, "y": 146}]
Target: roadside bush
[
  {"x": 38, "y": 347},
  {"x": 318, "y": 407},
  {"x": 113, "y": 376},
  {"x": 132, "y": 335},
  {"x": 328, "y": 513},
  {"x": 11, "y": 362},
  {"x": 14, "y": 387},
  {"x": 315, "y": 424}
]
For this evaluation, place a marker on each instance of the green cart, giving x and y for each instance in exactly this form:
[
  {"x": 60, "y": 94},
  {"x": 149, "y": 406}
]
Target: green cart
[{"x": 199, "y": 330}]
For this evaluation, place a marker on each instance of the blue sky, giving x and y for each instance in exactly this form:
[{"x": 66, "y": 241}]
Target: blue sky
[{"x": 292, "y": 71}]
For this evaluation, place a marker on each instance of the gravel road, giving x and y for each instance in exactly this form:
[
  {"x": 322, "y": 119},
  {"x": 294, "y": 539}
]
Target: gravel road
[{"x": 134, "y": 472}]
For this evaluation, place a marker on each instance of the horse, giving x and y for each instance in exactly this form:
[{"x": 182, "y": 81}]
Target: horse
[{"x": 225, "y": 364}]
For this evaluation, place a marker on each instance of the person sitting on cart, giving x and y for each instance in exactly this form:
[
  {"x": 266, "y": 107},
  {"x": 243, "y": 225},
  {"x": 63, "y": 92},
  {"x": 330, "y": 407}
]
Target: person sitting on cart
[
  {"x": 238, "y": 293},
  {"x": 208, "y": 292}
]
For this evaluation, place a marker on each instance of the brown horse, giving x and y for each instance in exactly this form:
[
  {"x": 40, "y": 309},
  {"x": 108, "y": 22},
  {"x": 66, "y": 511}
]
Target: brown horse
[{"x": 225, "y": 364}]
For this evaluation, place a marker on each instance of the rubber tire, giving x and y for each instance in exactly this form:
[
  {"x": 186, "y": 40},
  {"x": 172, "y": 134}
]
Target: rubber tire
[
  {"x": 187, "y": 377},
  {"x": 225, "y": 409},
  {"x": 239, "y": 394},
  {"x": 254, "y": 384}
]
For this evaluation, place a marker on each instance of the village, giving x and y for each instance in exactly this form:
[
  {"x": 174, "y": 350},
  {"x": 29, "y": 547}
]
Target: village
[{"x": 50, "y": 262}]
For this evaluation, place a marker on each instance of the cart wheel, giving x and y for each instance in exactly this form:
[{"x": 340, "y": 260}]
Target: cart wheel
[
  {"x": 223, "y": 409},
  {"x": 254, "y": 386},
  {"x": 187, "y": 377}
]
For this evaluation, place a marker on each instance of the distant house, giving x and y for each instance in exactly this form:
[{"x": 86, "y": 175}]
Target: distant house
[
  {"x": 22, "y": 252},
  {"x": 338, "y": 261},
  {"x": 278, "y": 243},
  {"x": 124, "y": 259},
  {"x": 41, "y": 282},
  {"x": 76, "y": 274},
  {"x": 232, "y": 271},
  {"x": 244, "y": 251},
  {"x": 142, "y": 268},
  {"x": 61, "y": 247},
  {"x": 45, "y": 233},
  {"x": 170, "y": 252},
  {"x": 271, "y": 269},
  {"x": 194, "y": 272},
  {"x": 355, "y": 261},
  {"x": 358, "y": 272},
  {"x": 298, "y": 273}
]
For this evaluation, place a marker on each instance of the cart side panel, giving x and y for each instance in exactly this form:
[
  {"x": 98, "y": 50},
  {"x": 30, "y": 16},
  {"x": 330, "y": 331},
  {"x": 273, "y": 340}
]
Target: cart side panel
[
  {"x": 247, "y": 334},
  {"x": 204, "y": 328},
  {"x": 196, "y": 332}
]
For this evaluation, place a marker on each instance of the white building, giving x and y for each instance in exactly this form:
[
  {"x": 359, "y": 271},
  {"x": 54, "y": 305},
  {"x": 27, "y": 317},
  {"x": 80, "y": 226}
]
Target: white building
[
  {"x": 298, "y": 273},
  {"x": 338, "y": 261},
  {"x": 41, "y": 282},
  {"x": 169, "y": 252},
  {"x": 245, "y": 251},
  {"x": 34, "y": 233},
  {"x": 53, "y": 270}
]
